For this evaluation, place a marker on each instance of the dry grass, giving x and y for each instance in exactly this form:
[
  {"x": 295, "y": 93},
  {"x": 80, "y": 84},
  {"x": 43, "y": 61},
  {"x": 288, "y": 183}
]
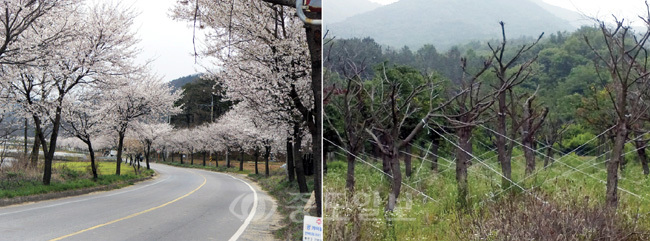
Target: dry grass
[{"x": 523, "y": 217}]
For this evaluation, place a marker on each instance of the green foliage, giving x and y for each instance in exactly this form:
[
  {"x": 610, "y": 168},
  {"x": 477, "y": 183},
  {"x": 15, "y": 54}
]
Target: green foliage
[
  {"x": 71, "y": 175},
  {"x": 418, "y": 218},
  {"x": 197, "y": 100}
]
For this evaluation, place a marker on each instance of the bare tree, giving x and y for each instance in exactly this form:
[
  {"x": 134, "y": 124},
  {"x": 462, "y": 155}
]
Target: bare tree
[
  {"x": 463, "y": 115},
  {"x": 391, "y": 106},
  {"x": 624, "y": 67},
  {"x": 507, "y": 79},
  {"x": 532, "y": 120}
]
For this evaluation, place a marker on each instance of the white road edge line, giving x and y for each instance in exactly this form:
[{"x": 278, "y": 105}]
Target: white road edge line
[
  {"x": 243, "y": 227},
  {"x": 82, "y": 200}
]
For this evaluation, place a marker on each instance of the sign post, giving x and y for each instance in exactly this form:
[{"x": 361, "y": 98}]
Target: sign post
[{"x": 312, "y": 229}]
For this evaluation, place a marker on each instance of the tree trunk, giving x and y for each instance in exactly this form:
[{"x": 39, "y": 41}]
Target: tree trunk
[
  {"x": 204, "y": 158},
  {"x": 435, "y": 146},
  {"x": 529, "y": 155},
  {"x": 640, "y": 150},
  {"x": 407, "y": 160},
  {"x": 267, "y": 153},
  {"x": 120, "y": 146},
  {"x": 549, "y": 155},
  {"x": 25, "y": 137},
  {"x": 228, "y": 157},
  {"x": 192, "y": 157},
  {"x": 396, "y": 184},
  {"x": 93, "y": 167},
  {"x": 349, "y": 181},
  {"x": 147, "y": 153},
  {"x": 314, "y": 44},
  {"x": 181, "y": 155},
  {"x": 462, "y": 160},
  {"x": 35, "y": 149},
  {"x": 386, "y": 166},
  {"x": 49, "y": 155},
  {"x": 257, "y": 155},
  {"x": 241, "y": 159},
  {"x": 502, "y": 155},
  {"x": 613, "y": 164},
  {"x": 290, "y": 170},
  {"x": 216, "y": 159},
  {"x": 298, "y": 160}
]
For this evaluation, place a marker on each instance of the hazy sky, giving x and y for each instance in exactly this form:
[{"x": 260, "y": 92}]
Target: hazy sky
[
  {"x": 599, "y": 8},
  {"x": 167, "y": 42}
]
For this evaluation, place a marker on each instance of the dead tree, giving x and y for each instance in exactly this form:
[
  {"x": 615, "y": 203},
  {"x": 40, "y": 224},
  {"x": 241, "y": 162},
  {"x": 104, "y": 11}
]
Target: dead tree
[
  {"x": 392, "y": 103},
  {"x": 532, "y": 120},
  {"x": 624, "y": 53},
  {"x": 463, "y": 115},
  {"x": 550, "y": 133},
  {"x": 510, "y": 73}
]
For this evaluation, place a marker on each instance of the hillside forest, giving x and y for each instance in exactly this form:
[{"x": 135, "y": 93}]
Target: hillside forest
[{"x": 509, "y": 139}]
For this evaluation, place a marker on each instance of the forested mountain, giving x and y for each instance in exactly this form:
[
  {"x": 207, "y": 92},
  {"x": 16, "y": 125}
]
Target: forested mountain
[
  {"x": 562, "y": 120},
  {"x": 346, "y": 8},
  {"x": 180, "y": 82},
  {"x": 444, "y": 23}
]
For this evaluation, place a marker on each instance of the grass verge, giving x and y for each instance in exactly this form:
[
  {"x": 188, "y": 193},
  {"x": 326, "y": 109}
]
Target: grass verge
[
  {"x": 574, "y": 201},
  {"x": 18, "y": 182}
]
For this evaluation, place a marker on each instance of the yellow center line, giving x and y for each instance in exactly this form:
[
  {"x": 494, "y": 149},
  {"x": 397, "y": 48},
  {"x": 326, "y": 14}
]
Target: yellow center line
[{"x": 135, "y": 214}]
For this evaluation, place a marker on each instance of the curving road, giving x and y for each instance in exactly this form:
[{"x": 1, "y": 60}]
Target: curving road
[{"x": 180, "y": 204}]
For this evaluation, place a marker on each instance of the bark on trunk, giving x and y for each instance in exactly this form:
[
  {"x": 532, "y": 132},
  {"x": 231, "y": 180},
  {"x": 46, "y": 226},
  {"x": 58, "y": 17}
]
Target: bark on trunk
[
  {"x": 462, "y": 161},
  {"x": 613, "y": 164},
  {"x": 227, "y": 157},
  {"x": 529, "y": 155},
  {"x": 93, "y": 167},
  {"x": 502, "y": 154},
  {"x": 204, "y": 158},
  {"x": 396, "y": 184},
  {"x": 435, "y": 146},
  {"x": 290, "y": 171},
  {"x": 35, "y": 149},
  {"x": 241, "y": 159},
  {"x": 257, "y": 155},
  {"x": 549, "y": 155},
  {"x": 267, "y": 153},
  {"x": 314, "y": 44},
  {"x": 120, "y": 146},
  {"x": 385, "y": 161},
  {"x": 407, "y": 160},
  {"x": 640, "y": 146},
  {"x": 300, "y": 170},
  {"x": 147, "y": 154},
  {"x": 349, "y": 181}
]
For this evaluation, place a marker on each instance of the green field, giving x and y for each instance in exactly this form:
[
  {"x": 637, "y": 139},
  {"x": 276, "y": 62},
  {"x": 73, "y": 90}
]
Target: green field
[
  {"x": 66, "y": 176},
  {"x": 554, "y": 196}
]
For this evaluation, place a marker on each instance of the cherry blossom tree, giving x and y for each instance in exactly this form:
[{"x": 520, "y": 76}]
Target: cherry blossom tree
[
  {"x": 150, "y": 134},
  {"x": 139, "y": 97},
  {"x": 265, "y": 49},
  {"x": 83, "y": 118},
  {"x": 95, "y": 43}
]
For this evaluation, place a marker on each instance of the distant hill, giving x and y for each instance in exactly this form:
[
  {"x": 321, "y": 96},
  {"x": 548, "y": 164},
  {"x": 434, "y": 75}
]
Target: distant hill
[
  {"x": 445, "y": 23},
  {"x": 180, "y": 82},
  {"x": 345, "y": 9}
]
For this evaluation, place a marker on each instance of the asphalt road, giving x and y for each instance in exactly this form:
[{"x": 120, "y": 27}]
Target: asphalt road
[{"x": 180, "y": 204}]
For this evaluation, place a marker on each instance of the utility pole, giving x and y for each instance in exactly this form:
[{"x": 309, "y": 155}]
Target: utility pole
[{"x": 211, "y": 107}]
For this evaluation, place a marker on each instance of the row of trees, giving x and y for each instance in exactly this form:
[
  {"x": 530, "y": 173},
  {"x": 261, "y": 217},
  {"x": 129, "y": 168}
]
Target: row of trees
[
  {"x": 68, "y": 66},
  {"x": 269, "y": 63},
  {"x": 515, "y": 95}
]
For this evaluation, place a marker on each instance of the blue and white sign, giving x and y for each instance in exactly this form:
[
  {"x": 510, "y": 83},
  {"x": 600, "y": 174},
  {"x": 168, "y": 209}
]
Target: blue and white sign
[{"x": 312, "y": 229}]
